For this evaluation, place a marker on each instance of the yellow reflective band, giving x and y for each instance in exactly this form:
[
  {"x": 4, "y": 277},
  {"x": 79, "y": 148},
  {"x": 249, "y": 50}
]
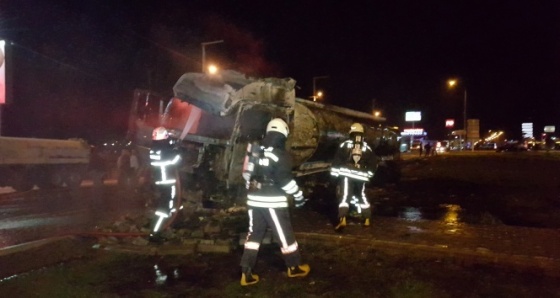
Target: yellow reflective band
[
  {"x": 271, "y": 156},
  {"x": 252, "y": 245},
  {"x": 161, "y": 214},
  {"x": 267, "y": 198},
  {"x": 291, "y": 187},
  {"x": 165, "y": 182},
  {"x": 267, "y": 205},
  {"x": 290, "y": 249},
  {"x": 278, "y": 228},
  {"x": 166, "y": 162}
]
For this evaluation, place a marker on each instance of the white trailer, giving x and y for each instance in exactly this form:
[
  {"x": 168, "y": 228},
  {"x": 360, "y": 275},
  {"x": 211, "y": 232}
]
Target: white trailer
[{"x": 46, "y": 163}]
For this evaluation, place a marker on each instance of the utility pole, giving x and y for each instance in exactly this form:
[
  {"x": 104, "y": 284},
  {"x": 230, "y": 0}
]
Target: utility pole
[
  {"x": 315, "y": 83},
  {"x": 204, "y": 44}
]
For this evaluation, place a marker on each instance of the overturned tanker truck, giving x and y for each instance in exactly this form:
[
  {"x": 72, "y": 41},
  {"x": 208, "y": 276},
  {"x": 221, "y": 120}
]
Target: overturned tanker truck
[{"x": 214, "y": 118}]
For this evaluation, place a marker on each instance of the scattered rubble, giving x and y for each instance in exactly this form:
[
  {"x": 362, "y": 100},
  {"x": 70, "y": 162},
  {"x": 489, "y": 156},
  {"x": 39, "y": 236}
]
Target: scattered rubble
[{"x": 201, "y": 229}]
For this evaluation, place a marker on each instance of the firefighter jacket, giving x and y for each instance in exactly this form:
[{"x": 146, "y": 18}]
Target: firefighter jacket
[
  {"x": 269, "y": 189},
  {"x": 354, "y": 160},
  {"x": 163, "y": 156}
]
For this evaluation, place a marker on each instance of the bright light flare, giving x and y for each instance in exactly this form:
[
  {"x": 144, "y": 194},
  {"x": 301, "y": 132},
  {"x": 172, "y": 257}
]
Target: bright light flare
[
  {"x": 212, "y": 69},
  {"x": 451, "y": 83}
]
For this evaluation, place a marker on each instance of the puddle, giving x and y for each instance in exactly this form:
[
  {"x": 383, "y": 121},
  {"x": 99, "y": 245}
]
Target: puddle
[{"x": 459, "y": 206}]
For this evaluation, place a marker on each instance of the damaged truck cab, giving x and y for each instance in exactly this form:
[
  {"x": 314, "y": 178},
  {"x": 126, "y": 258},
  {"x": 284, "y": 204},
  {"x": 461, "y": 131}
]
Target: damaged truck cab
[{"x": 214, "y": 117}]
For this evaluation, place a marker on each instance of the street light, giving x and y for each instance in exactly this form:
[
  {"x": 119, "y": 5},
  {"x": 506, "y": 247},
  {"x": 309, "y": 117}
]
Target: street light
[
  {"x": 204, "y": 44},
  {"x": 314, "y": 84},
  {"x": 212, "y": 69},
  {"x": 452, "y": 83},
  {"x": 317, "y": 95}
]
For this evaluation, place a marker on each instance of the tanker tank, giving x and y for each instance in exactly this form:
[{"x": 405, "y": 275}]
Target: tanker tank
[{"x": 215, "y": 117}]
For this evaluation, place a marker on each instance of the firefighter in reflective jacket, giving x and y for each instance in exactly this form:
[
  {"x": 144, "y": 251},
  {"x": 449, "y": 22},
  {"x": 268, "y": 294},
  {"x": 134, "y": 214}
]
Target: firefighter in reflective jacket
[
  {"x": 164, "y": 159},
  {"x": 354, "y": 164},
  {"x": 271, "y": 180}
]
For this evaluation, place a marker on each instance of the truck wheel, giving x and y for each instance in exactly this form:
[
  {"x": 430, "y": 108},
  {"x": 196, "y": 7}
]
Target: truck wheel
[
  {"x": 20, "y": 180},
  {"x": 45, "y": 179},
  {"x": 73, "y": 179}
]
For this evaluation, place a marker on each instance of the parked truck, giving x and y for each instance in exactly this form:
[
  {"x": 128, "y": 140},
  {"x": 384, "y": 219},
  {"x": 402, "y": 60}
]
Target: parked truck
[
  {"x": 46, "y": 163},
  {"x": 215, "y": 117}
]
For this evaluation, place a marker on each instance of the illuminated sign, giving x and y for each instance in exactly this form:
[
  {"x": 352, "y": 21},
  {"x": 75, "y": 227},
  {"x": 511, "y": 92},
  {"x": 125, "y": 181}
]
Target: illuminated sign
[
  {"x": 2, "y": 73},
  {"x": 449, "y": 123},
  {"x": 527, "y": 130},
  {"x": 413, "y": 132},
  {"x": 549, "y": 128},
  {"x": 413, "y": 116}
]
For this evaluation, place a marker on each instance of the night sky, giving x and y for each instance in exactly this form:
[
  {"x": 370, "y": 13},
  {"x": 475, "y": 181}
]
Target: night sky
[{"x": 75, "y": 64}]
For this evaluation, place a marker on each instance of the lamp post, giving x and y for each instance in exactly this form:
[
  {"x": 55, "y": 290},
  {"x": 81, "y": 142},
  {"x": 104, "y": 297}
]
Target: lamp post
[
  {"x": 452, "y": 83},
  {"x": 315, "y": 95},
  {"x": 204, "y": 44}
]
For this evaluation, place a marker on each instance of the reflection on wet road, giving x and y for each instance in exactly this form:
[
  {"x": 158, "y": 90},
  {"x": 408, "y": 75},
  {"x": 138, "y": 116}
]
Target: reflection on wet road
[{"x": 40, "y": 214}]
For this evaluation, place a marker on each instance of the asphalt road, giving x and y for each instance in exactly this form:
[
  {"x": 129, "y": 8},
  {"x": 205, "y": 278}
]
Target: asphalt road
[{"x": 40, "y": 214}]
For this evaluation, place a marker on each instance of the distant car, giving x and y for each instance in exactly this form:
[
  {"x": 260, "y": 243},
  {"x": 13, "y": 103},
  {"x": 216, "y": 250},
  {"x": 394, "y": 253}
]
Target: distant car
[
  {"x": 512, "y": 147},
  {"x": 486, "y": 146}
]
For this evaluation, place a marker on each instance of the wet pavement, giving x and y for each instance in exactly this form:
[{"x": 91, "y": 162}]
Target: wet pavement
[
  {"x": 445, "y": 236},
  {"x": 520, "y": 247},
  {"x": 523, "y": 248}
]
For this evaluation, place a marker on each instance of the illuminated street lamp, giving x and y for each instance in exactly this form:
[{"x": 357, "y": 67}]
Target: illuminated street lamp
[
  {"x": 452, "y": 83},
  {"x": 315, "y": 94},
  {"x": 376, "y": 113},
  {"x": 204, "y": 44},
  {"x": 212, "y": 69}
]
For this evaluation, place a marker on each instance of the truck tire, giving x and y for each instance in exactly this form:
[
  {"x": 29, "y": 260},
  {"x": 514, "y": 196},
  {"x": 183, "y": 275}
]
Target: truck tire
[
  {"x": 20, "y": 180},
  {"x": 46, "y": 178},
  {"x": 73, "y": 177}
]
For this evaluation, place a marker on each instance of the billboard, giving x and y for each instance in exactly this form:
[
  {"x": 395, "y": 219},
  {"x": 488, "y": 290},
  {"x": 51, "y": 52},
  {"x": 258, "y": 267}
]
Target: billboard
[
  {"x": 2, "y": 73},
  {"x": 527, "y": 130},
  {"x": 413, "y": 116},
  {"x": 412, "y": 132}
]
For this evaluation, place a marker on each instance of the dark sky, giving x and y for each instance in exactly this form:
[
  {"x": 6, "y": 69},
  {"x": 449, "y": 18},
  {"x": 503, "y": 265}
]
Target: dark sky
[{"x": 77, "y": 62}]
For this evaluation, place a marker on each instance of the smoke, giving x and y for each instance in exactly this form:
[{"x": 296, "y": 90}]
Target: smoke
[{"x": 245, "y": 52}]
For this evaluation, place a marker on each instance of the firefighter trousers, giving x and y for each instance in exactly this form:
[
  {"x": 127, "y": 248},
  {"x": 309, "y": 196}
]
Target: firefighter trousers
[
  {"x": 352, "y": 191},
  {"x": 278, "y": 219}
]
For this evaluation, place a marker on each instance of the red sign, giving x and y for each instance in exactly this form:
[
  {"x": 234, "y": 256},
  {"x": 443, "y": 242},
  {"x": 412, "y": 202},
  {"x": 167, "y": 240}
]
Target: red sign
[
  {"x": 449, "y": 123},
  {"x": 2, "y": 73}
]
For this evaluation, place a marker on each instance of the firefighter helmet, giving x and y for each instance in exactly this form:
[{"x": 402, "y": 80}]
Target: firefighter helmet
[
  {"x": 160, "y": 133},
  {"x": 356, "y": 128},
  {"x": 278, "y": 125}
]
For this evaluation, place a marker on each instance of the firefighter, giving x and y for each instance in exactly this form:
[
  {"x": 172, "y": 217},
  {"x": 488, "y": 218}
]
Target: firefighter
[
  {"x": 354, "y": 165},
  {"x": 269, "y": 184},
  {"x": 164, "y": 159}
]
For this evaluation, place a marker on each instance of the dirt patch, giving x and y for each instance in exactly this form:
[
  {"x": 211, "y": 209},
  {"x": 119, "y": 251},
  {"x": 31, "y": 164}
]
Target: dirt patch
[{"x": 336, "y": 271}]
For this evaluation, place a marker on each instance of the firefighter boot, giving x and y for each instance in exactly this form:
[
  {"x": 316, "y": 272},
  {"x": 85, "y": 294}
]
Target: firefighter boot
[
  {"x": 248, "y": 278},
  {"x": 366, "y": 222},
  {"x": 341, "y": 224},
  {"x": 299, "y": 271}
]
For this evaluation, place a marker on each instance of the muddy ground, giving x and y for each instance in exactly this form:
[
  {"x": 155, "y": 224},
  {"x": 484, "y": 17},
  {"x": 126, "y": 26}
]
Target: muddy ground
[{"x": 491, "y": 190}]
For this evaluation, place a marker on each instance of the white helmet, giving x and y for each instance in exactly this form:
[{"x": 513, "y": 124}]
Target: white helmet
[
  {"x": 356, "y": 127},
  {"x": 160, "y": 133},
  {"x": 278, "y": 125}
]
